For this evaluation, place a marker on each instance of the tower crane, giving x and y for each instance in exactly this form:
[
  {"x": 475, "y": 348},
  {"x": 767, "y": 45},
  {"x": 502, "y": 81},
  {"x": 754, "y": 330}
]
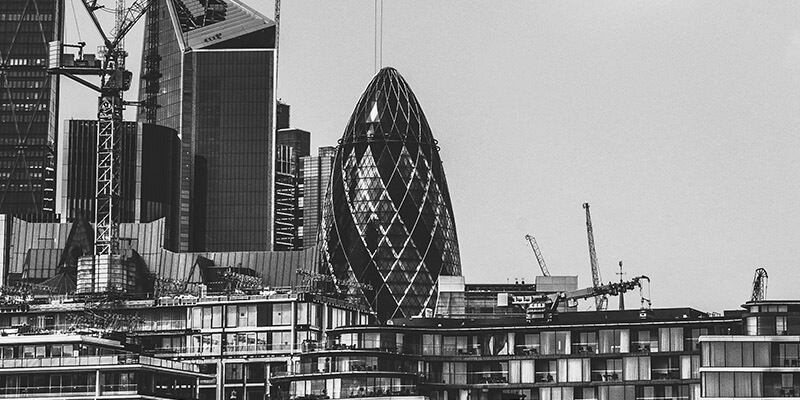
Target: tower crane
[
  {"x": 538, "y": 254},
  {"x": 115, "y": 79},
  {"x": 759, "y": 285},
  {"x": 601, "y": 302}
]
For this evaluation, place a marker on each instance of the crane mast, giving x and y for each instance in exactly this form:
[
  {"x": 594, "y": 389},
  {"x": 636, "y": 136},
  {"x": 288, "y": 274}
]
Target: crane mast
[
  {"x": 601, "y": 302},
  {"x": 538, "y": 254},
  {"x": 104, "y": 271}
]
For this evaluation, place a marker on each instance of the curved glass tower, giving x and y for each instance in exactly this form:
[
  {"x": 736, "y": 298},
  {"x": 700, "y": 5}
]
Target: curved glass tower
[{"x": 388, "y": 229}]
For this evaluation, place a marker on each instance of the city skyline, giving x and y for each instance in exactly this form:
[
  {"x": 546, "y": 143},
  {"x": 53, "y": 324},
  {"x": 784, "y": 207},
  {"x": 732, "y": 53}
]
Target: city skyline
[{"x": 690, "y": 180}]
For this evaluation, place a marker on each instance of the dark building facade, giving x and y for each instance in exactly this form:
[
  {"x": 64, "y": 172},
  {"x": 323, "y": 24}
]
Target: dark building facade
[
  {"x": 148, "y": 171},
  {"x": 208, "y": 72},
  {"x": 292, "y": 144},
  {"x": 316, "y": 178},
  {"x": 388, "y": 219},
  {"x": 28, "y": 107}
]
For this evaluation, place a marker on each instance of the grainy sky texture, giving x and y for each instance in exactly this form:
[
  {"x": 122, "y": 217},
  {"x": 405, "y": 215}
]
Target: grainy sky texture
[{"x": 676, "y": 120}]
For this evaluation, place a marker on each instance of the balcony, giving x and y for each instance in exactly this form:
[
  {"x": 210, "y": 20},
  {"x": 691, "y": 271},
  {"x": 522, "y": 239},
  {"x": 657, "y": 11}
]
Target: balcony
[
  {"x": 95, "y": 361},
  {"x": 606, "y": 375}
]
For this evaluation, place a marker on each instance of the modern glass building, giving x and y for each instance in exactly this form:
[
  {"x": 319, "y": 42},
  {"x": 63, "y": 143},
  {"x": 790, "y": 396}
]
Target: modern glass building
[
  {"x": 316, "y": 178},
  {"x": 28, "y": 107},
  {"x": 388, "y": 220},
  {"x": 292, "y": 145},
  {"x": 762, "y": 363},
  {"x": 612, "y": 355},
  {"x": 209, "y": 73},
  {"x": 148, "y": 171}
]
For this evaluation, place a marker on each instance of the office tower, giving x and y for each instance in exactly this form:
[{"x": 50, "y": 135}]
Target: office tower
[
  {"x": 388, "y": 219},
  {"x": 148, "y": 171},
  {"x": 291, "y": 145},
  {"x": 28, "y": 107},
  {"x": 316, "y": 177},
  {"x": 282, "y": 116},
  {"x": 208, "y": 72}
]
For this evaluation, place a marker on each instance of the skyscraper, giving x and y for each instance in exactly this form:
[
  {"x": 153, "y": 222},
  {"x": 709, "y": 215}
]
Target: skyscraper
[
  {"x": 316, "y": 177},
  {"x": 388, "y": 219},
  {"x": 208, "y": 72},
  {"x": 148, "y": 171},
  {"x": 291, "y": 145},
  {"x": 28, "y": 106}
]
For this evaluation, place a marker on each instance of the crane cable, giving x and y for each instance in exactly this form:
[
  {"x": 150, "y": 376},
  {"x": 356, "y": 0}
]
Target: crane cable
[
  {"x": 378, "y": 35},
  {"x": 75, "y": 18}
]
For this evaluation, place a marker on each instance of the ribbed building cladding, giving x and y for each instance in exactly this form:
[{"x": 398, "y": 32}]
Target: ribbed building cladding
[{"x": 388, "y": 220}]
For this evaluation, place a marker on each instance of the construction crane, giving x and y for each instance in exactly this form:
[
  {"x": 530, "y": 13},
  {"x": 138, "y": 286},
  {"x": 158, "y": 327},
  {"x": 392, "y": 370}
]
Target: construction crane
[
  {"x": 538, "y": 254},
  {"x": 545, "y": 307},
  {"x": 115, "y": 79},
  {"x": 601, "y": 302},
  {"x": 759, "y": 285}
]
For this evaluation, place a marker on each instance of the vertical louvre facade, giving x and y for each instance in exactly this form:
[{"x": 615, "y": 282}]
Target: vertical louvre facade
[
  {"x": 316, "y": 178},
  {"x": 208, "y": 72},
  {"x": 292, "y": 144},
  {"x": 388, "y": 217},
  {"x": 28, "y": 107}
]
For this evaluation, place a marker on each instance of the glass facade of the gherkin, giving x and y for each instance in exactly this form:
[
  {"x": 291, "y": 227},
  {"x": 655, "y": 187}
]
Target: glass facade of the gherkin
[{"x": 388, "y": 221}]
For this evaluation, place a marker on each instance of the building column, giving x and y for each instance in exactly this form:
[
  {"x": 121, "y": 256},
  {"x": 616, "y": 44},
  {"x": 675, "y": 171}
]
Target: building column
[{"x": 97, "y": 383}]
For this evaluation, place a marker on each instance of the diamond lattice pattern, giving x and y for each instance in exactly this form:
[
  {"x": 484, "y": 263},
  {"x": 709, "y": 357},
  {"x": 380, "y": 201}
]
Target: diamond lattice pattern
[{"x": 388, "y": 220}]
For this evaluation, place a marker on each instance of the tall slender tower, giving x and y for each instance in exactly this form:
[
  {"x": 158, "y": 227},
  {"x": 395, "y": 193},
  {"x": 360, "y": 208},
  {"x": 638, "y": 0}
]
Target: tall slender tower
[
  {"x": 28, "y": 107},
  {"x": 208, "y": 71},
  {"x": 388, "y": 220}
]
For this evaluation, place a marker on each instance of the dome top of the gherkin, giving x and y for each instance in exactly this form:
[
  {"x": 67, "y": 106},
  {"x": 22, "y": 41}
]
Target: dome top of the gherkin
[{"x": 388, "y": 111}]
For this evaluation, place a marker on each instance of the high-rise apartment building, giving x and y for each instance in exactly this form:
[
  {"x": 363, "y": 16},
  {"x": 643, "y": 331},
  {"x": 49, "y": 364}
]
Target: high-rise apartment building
[
  {"x": 292, "y": 144},
  {"x": 148, "y": 171},
  {"x": 316, "y": 177},
  {"x": 208, "y": 71},
  {"x": 28, "y": 107},
  {"x": 388, "y": 221}
]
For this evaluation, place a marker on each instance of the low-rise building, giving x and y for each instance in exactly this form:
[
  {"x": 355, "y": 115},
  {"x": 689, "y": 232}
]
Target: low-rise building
[
  {"x": 577, "y": 355},
  {"x": 763, "y": 362},
  {"x": 68, "y": 366}
]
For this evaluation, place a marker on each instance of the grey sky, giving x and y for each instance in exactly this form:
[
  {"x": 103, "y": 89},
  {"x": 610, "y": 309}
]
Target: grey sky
[{"x": 676, "y": 120}]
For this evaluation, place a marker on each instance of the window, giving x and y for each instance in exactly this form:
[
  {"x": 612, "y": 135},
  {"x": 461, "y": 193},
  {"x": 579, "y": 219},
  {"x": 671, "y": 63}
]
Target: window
[
  {"x": 282, "y": 314},
  {"x": 614, "y": 341}
]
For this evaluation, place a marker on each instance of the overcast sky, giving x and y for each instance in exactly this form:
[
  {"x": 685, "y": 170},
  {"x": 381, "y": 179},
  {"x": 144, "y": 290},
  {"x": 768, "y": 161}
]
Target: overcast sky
[{"x": 676, "y": 120}]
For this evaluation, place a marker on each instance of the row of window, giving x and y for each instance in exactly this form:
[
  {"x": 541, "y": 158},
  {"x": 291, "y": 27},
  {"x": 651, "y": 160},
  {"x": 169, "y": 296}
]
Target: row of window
[
  {"x": 750, "y": 354},
  {"x": 643, "y": 368},
  {"x": 23, "y": 107},
  {"x": 24, "y": 84},
  {"x": 751, "y": 384},
  {"x": 228, "y": 343},
  {"x": 5, "y": 118},
  {"x": 25, "y": 17},
  {"x": 51, "y": 351},
  {"x": 25, "y": 61},
  {"x": 773, "y": 325},
  {"x": 606, "y": 341}
]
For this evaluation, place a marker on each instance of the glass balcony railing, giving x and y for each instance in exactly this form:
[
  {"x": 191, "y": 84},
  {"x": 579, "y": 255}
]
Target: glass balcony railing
[
  {"x": 93, "y": 361},
  {"x": 46, "y": 391}
]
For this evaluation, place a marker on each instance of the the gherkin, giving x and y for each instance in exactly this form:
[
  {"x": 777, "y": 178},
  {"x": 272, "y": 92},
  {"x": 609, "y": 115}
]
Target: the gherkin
[{"x": 388, "y": 220}]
